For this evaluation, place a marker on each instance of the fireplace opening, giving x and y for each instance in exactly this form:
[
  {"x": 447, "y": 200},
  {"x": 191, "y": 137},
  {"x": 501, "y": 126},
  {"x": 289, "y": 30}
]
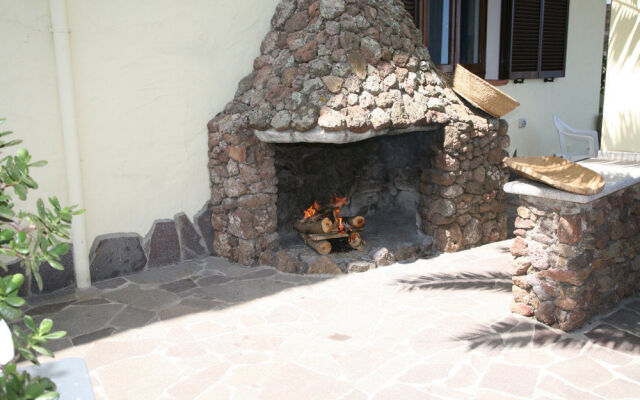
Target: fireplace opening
[{"x": 380, "y": 179}]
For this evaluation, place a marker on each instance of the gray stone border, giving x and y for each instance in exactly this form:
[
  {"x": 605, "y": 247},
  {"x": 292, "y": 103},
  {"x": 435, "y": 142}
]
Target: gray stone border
[{"x": 124, "y": 253}]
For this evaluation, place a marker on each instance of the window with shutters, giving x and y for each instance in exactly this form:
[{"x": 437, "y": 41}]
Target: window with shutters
[
  {"x": 534, "y": 34},
  {"x": 453, "y": 30}
]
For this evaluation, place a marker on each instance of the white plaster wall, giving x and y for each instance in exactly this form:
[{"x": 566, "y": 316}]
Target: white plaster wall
[
  {"x": 29, "y": 92},
  {"x": 574, "y": 98},
  {"x": 149, "y": 75},
  {"x": 621, "y": 123}
]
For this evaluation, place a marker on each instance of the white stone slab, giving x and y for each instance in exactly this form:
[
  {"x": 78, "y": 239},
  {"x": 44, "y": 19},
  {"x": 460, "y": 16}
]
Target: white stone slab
[
  {"x": 70, "y": 376},
  {"x": 617, "y": 174},
  {"x": 619, "y": 155},
  {"x": 319, "y": 135}
]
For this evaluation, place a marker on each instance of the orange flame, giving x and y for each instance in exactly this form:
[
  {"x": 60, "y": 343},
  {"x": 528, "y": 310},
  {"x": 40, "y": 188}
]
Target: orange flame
[
  {"x": 311, "y": 211},
  {"x": 340, "y": 224},
  {"x": 336, "y": 203}
]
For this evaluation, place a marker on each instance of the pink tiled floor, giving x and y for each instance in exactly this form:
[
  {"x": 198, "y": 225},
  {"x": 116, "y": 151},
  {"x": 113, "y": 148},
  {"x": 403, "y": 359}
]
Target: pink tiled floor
[{"x": 432, "y": 329}]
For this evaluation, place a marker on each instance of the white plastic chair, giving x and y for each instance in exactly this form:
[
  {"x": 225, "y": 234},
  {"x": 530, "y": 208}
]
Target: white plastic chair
[{"x": 565, "y": 131}]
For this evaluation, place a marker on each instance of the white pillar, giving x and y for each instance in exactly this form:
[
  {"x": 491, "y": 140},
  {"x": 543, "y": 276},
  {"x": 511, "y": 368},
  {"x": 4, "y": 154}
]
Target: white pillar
[{"x": 62, "y": 48}]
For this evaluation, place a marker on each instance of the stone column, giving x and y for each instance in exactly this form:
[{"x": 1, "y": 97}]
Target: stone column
[
  {"x": 572, "y": 261},
  {"x": 243, "y": 192},
  {"x": 462, "y": 203}
]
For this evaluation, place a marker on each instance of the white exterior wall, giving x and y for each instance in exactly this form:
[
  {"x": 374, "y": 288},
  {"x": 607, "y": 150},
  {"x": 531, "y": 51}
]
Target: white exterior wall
[
  {"x": 150, "y": 74},
  {"x": 621, "y": 125},
  {"x": 574, "y": 98},
  {"x": 29, "y": 91}
]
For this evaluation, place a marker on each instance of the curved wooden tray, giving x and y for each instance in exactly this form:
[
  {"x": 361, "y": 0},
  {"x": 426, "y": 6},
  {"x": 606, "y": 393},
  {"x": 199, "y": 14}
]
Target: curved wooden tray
[{"x": 558, "y": 173}]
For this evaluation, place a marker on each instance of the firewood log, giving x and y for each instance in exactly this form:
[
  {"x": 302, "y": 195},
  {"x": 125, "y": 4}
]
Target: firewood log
[
  {"x": 355, "y": 240},
  {"x": 322, "y": 226},
  {"x": 322, "y": 247},
  {"x": 356, "y": 222}
]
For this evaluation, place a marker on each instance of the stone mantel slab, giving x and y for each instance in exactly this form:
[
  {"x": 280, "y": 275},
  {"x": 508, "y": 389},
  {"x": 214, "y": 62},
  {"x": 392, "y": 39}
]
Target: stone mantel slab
[
  {"x": 618, "y": 174},
  {"x": 319, "y": 135}
]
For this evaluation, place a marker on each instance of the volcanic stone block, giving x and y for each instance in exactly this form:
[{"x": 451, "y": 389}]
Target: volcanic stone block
[
  {"x": 161, "y": 244},
  {"x": 204, "y": 227},
  {"x": 53, "y": 279},
  {"x": 116, "y": 254},
  {"x": 190, "y": 241}
]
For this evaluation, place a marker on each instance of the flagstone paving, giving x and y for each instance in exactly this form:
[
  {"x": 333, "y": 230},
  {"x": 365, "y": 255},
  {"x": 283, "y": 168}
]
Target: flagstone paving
[{"x": 432, "y": 329}]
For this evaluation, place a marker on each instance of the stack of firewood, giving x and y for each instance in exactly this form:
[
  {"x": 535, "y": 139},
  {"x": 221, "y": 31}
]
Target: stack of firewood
[{"x": 323, "y": 229}]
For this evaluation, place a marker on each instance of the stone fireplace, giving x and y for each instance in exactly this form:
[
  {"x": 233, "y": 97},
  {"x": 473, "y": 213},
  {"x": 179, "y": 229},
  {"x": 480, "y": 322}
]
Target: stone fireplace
[{"x": 345, "y": 99}]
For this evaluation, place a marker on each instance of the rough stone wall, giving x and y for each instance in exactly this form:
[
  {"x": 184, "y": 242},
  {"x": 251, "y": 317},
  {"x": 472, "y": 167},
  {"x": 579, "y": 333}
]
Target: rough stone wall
[
  {"x": 462, "y": 203},
  {"x": 573, "y": 261},
  {"x": 356, "y": 65},
  {"x": 243, "y": 193}
]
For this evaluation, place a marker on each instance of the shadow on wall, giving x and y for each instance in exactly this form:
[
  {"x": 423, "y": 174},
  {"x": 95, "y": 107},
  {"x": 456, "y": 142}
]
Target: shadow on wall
[{"x": 621, "y": 122}]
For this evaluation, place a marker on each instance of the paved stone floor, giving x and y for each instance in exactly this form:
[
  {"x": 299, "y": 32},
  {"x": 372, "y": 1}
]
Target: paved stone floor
[{"x": 432, "y": 329}]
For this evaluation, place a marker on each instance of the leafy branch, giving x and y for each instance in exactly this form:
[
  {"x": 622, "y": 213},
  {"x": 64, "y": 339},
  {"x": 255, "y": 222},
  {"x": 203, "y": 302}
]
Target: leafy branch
[{"x": 34, "y": 238}]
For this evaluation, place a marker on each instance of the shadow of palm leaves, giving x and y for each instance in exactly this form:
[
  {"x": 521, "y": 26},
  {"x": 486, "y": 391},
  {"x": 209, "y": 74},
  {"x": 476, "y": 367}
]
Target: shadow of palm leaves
[
  {"x": 492, "y": 281},
  {"x": 514, "y": 333}
]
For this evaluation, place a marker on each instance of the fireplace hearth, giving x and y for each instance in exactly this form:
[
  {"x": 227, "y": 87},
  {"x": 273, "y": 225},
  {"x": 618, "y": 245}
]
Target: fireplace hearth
[{"x": 344, "y": 99}]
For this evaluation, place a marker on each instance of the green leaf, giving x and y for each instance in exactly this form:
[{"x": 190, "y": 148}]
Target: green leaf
[
  {"x": 60, "y": 249},
  {"x": 36, "y": 275},
  {"x": 42, "y": 351},
  {"x": 21, "y": 191},
  {"x": 54, "y": 202},
  {"x": 15, "y": 301},
  {"x": 28, "y": 321},
  {"x": 22, "y": 153},
  {"x": 14, "y": 283},
  {"x": 40, "y": 163},
  {"x": 27, "y": 180},
  {"x": 28, "y": 354},
  {"x": 40, "y": 205},
  {"x": 8, "y": 313},
  {"x": 22, "y": 248},
  {"x": 55, "y": 335},
  {"x": 20, "y": 237},
  {"x": 6, "y": 211},
  {"x": 6, "y": 235},
  {"x": 13, "y": 142},
  {"x": 56, "y": 265},
  {"x": 45, "y": 326},
  {"x": 49, "y": 396},
  {"x": 34, "y": 390}
]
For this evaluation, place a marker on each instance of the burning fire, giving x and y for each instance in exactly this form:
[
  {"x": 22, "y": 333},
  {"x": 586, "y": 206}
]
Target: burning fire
[
  {"x": 335, "y": 203},
  {"x": 311, "y": 211}
]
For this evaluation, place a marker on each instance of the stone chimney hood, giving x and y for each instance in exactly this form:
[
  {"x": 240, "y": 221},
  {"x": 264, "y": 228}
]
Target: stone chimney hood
[{"x": 338, "y": 71}]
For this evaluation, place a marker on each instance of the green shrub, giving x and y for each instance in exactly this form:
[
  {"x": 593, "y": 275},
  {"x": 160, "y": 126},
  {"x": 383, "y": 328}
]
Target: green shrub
[{"x": 34, "y": 238}]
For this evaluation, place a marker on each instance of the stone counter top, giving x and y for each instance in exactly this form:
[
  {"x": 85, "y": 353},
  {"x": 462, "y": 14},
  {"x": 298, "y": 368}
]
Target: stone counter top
[{"x": 618, "y": 174}]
